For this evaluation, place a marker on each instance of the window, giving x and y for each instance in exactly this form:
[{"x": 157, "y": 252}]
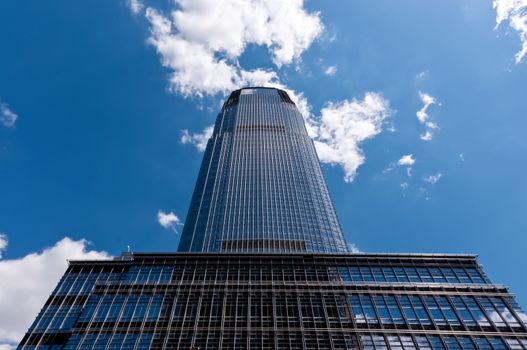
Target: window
[
  {"x": 408, "y": 310},
  {"x": 435, "y": 311},
  {"x": 363, "y": 310},
  {"x": 463, "y": 312}
]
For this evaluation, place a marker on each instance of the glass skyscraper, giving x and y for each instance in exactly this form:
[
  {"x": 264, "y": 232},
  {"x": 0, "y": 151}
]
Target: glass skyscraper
[
  {"x": 262, "y": 264},
  {"x": 260, "y": 187}
]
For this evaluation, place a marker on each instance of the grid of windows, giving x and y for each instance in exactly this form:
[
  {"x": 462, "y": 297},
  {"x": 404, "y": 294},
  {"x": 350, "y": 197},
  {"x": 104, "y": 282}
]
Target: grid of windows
[
  {"x": 349, "y": 270},
  {"x": 434, "y": 342},
  {"x": 460, "y": 312},
  {"x": 433, "y": 274},
  {"x": 132, "y": 307},
  {"x": 260, "y": 187},
  {"x": 220, "y": 301},
  {"x": 109, "y": 341}
]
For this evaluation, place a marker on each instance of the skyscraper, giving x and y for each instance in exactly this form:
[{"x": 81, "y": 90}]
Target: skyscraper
[
  {"x": 263, "y": 264},
  {"x": 260, "y": 187}
]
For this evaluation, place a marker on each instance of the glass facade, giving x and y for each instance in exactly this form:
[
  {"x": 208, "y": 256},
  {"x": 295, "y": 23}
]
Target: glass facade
[
  {"x": 260, "y": 187},
  {"x": 278, "y": 301},
  {"x": 263, "y": 265}
]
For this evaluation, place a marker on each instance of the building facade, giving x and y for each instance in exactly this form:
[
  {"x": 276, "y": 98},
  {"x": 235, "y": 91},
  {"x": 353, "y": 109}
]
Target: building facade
[
  {"x": 260, "y": 187},
  {"x": 263, "y": 264},
  {"x": 279, "y": 301}
]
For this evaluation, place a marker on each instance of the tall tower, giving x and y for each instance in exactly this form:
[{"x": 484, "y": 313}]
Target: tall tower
[{"x": 260, "y": 187}]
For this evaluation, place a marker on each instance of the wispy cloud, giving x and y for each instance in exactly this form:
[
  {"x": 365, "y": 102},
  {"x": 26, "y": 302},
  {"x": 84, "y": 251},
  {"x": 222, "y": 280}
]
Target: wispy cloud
[
  {"x": 354, "y": 248},
  {"x": 3, "y": 243},
  {"x": 424, "y": 117},
  {"x": 168, "y": 220},
  {"x": 7, "y": 116},
  {"x": 136, "y": 6},
  {"x": 422, "y": 75},
  {"x": 515, "y": 12},
  {"x": 197, "y": 139},
  {"x": 331, "y": 70},
  {"x": 40, "y": 272},
  {"x": 433, "y": 179}
]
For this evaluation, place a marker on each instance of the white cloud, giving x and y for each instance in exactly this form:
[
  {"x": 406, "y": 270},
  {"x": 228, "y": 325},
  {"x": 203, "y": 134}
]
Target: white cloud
[
  {"x": 7, "y": 116},
  {"x": 404, "y": 185},
  {"x": 343, "y": 126},
  {"x": 202, "y": 40},
  {"x": 331, "y": 70},
  {"x": 422, "y": 75},
  {"x": 260, "y": 77},
  {"x": 3, "y": 244},
  {"x": 433, "y": 179},
  {"x": 515, "y": 12},
  {"x": 424, "y": 117},
  {"x": 135, "y": 5},
  {"x": 168, "y": 220},
  {"x": 426, "y": 136},
  {"x": 28, "y": 281},
  {"x": 407, "y": 160},
  {"x": 195, "y": 70},
  {"x": 230, "y": 25},
  {"x": 354, "y": 249},
  {"x": 198, "y": 139},
  {"x": 428, "y": 100},
  {"x": 462, "y": 157}
]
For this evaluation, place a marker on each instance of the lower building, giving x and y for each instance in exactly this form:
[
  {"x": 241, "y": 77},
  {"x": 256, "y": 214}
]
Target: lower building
[{"x": 278, "y": 301}]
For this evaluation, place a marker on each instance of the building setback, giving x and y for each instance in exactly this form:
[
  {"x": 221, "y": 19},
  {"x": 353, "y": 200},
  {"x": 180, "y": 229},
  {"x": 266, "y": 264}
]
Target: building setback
[{"x": 263, "y": 264}]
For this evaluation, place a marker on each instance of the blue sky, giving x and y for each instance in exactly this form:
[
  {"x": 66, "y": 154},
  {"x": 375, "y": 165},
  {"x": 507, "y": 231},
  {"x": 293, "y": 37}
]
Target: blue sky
[{"x": 92, "y": 115}]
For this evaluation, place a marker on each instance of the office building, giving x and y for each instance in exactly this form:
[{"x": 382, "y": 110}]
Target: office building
[{"x": 263, "y": 264}]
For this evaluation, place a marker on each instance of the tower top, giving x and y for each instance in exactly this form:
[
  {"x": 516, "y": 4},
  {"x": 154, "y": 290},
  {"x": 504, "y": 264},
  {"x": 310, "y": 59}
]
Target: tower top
[{"x": 260, "y": 187}]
